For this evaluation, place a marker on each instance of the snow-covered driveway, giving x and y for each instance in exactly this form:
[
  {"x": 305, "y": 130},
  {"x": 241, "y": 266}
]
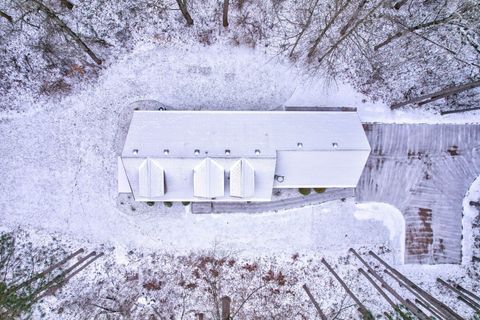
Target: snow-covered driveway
[{"x": 425, "y": 171}]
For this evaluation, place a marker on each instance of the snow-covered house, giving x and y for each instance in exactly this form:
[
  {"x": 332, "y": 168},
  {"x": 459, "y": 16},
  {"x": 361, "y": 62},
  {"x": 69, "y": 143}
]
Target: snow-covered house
[{"x": 239, "y": 156}]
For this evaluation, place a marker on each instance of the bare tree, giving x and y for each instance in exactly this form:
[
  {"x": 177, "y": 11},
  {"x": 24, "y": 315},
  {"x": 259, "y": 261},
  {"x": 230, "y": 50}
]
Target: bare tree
[
  {"x": 67, "y": 30},
  {"x": 353, "y": 18},
  {"x": 344, "y": 36},
  {"x": 305, "y": 26}
]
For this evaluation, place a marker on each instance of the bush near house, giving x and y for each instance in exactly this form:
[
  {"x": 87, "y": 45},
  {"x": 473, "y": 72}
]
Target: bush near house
[{"x": 305, "y": 191}]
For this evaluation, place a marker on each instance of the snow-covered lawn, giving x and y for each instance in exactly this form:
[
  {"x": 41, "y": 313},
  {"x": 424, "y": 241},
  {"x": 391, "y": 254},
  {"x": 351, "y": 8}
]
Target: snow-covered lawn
[{"x": 58, "y": 166}]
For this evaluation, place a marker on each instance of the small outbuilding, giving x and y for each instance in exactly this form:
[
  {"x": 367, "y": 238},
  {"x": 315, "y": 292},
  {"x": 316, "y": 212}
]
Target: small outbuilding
[{"x": 239, "y": 155}]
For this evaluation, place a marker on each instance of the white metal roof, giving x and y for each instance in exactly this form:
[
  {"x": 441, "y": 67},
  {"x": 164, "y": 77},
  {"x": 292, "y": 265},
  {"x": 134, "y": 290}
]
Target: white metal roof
[
  {"x": 259, "y": 150},
  {"x": 242, "y": 132}
]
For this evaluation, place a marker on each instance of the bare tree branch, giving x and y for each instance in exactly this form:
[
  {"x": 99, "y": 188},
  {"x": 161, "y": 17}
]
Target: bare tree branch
[
  {"x": 67, "y": 30},
  {"x": 353, "y": 18},
  {"x": 311, "y": 10},
  {"x": 420, "y": 26},
  {"x": 326, "y": 28},
  {"x": 355, "y": 26}
]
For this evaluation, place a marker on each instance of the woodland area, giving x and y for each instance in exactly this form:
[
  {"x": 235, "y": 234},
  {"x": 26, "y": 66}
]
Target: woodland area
[
  {"x": 390, "y": 50},
  {"x": 54, "y": 280}
]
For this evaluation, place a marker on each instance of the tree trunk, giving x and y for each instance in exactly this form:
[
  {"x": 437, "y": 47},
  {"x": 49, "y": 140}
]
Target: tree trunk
[
  {"x": 425, "y": 301},
  {"x": 459, "y": 111},
  {"x": 355, "y": 26},
  {"x": 475, "y": 203},
  {"x": 315, "y": 303},
  {"x": 47, "y": 270},
  {"x": 459, "y": 287},
  {"x": 363, "y": 311},
  {"x": 226, "y": 3},
  {"x": 353, "y": 18},
  {"x": 226, "y": 307},
  {"x": 434, "y": 301},
  {"x": 378, "y": 288},
  {"x": 430, "y": 309},
  {"x": 473, "y": 304},
  {"x": 182, "y": 4},
  {"x": 399, "y": 4},
  {"x": 413, "y": 29},
  {"x": 409, "y": 305},
  {"x": 6, "y": 16},
  {"x": 311, "y": 10},
  {"x": 437, "y": 95},
  {"x": 469, "y": 303},
  {"x": 67, "y": 4},
  {"x": 57, "y": 281}
]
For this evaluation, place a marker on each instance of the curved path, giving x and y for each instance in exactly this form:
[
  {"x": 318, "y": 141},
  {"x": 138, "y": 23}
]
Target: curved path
[{"x": 425, "y": 171}]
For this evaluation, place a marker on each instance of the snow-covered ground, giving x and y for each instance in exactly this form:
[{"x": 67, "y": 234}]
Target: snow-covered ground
[
  {"x": 225, "y": 78},
  {"x": 470, "y": 213},
  {"x": 318, "y": 92},
  {"x": 58, "y": 162}
]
